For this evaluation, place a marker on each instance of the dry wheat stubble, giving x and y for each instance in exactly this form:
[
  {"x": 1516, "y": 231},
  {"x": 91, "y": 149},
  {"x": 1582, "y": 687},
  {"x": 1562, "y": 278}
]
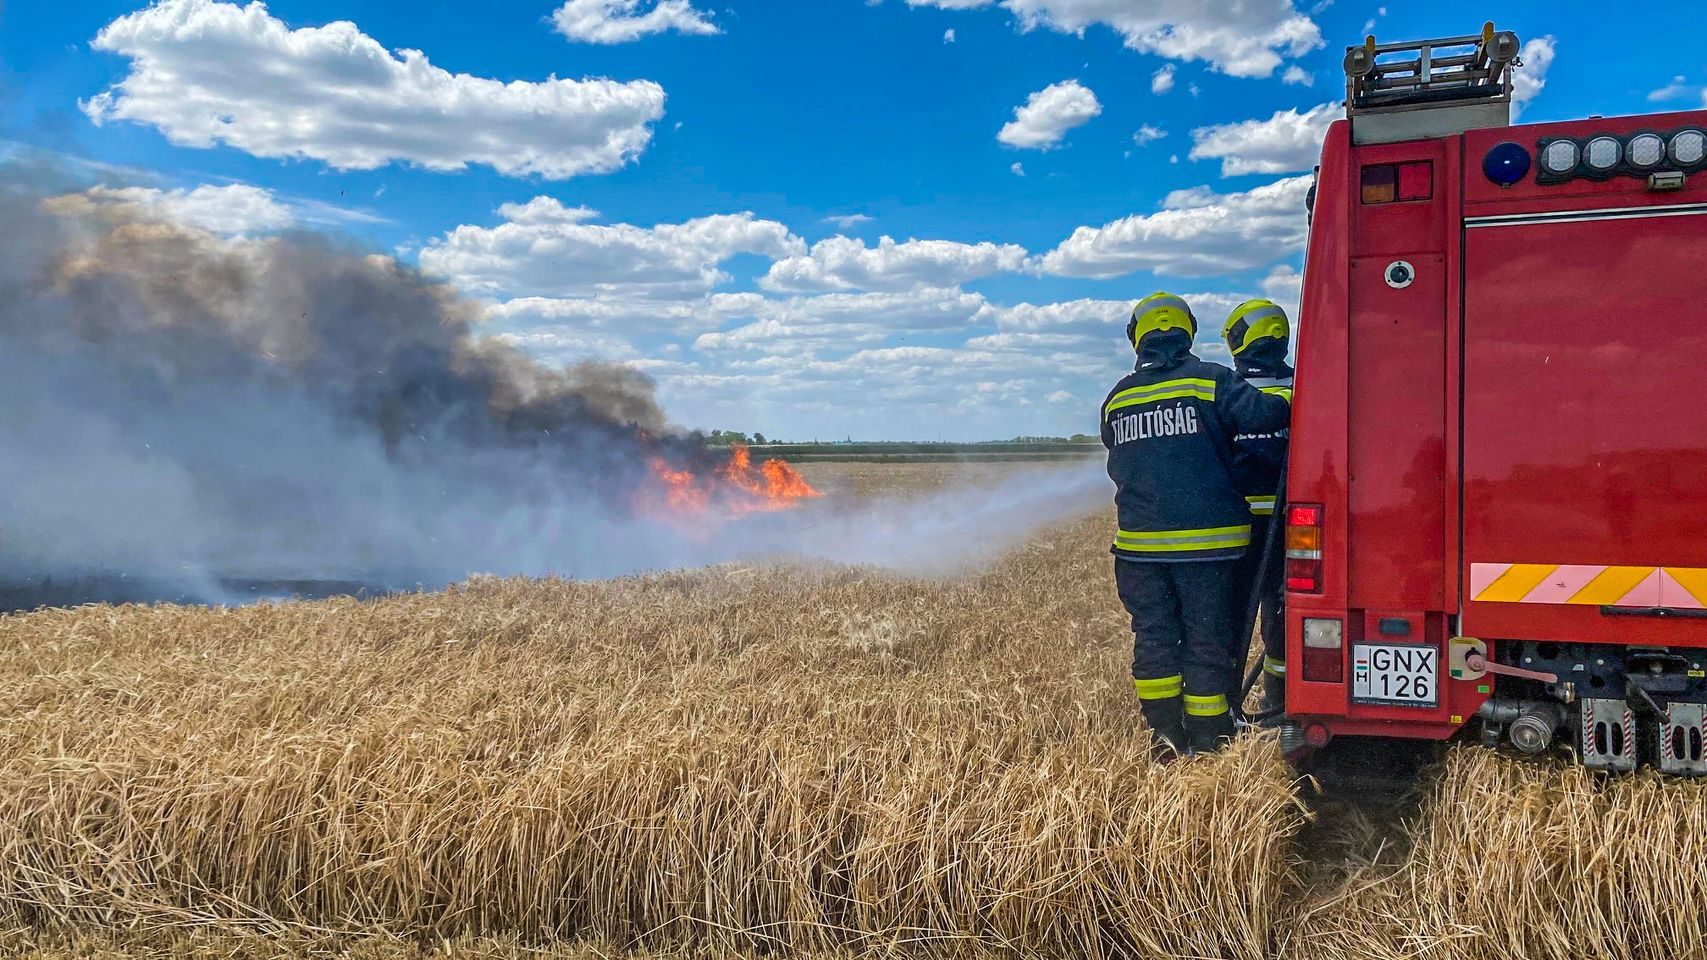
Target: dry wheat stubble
[
  {"x": 739, "y": 758},
  {"x": 733, "y": 760}
]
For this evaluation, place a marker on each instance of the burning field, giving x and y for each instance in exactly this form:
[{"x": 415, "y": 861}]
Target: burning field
[
  {"x": 791, "y": 758},
  {"x": 731, "y": 489},
  {"x": 209, "y": 418},
  {"x": 638, "y": 693}
]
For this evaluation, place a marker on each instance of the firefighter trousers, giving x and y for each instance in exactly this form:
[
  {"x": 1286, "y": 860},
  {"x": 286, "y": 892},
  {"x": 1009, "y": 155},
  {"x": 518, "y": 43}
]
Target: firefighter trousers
[
  {"x": 1182, "y": 622},
  {"x": 1269, "y": 622}
]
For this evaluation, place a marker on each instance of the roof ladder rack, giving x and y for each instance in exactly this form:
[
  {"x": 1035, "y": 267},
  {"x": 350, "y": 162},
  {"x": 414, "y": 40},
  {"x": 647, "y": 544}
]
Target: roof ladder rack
[{"x": 1429, "y": 88}]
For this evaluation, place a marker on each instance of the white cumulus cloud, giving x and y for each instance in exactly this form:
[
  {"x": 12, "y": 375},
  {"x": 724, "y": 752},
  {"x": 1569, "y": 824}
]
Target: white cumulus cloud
[
  {"x": 545, "y": 210},
  {"x": 1048, "y": 114},
  {"x": 843, "y": 263},
  {"x": 621, "y": 21},
  {"x": 1098, "y": 322},
  {"x": 1285, "y": 286},
  {"x": 231, "y": 209},
  {"x": 544, "y": 249},
  {"x": 1678, "y": 89},
  {"x": 1244, "y": 38},
  {"x": 847, "y": 221},
  {"x": 1198, "y": 233},
  {"x": 1042, "y": 368},
  {"x": 838, "y": 321},
  {"x": 1148, "y": 134},
  {"x": 1527, "y": 80},
  {"x": 1084, "y": 321},
  {"x": 1163, "y": 79},
  {"x": 608, "y": 317},
  {"x": 207, "y": 72},
  {"x": 565, "y": 345},
  {"x": 1284, "y": 143}
]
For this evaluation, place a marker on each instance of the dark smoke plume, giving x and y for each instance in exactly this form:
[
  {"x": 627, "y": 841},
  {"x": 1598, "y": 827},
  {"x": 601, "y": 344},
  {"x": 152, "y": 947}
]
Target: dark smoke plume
[
  {"x": 183, "y": 407},
  {"x": 183, "y": 411}
]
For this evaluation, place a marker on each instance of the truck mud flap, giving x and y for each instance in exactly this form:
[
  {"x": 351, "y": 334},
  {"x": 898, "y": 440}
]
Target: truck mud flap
[
  {"x": 1608, "y": 740},
  {"x": 1683, "y": 740}
]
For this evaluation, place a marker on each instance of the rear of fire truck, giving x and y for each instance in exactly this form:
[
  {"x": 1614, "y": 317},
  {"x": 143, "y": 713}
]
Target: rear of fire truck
[{"x": 1496, "y": 515}]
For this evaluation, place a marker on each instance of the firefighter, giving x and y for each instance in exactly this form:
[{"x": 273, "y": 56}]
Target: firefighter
[
  {"x": 1257, "y": 333},
  {"x": 1169, "y": 428}
]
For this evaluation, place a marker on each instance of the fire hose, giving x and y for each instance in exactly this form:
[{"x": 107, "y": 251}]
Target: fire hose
[{"x": 1272, "y": 553}]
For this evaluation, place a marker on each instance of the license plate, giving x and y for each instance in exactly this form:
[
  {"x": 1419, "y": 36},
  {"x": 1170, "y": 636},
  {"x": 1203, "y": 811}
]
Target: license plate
[{"x": 1395, "y": 674}]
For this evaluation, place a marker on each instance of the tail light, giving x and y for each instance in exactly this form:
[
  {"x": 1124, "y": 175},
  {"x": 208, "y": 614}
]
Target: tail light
[
  {"x": 1304, "y": 547},
  {"x": 1324, "y": 650}
]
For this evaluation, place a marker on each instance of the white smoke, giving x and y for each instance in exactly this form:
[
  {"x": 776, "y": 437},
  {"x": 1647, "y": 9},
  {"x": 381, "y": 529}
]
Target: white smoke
[
  {"x": 184, "y": 410},
  {"x": 964, "y": 525}
]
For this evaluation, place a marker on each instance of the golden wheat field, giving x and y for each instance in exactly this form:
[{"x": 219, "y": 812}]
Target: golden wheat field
[{"x": 782, "y": 760}]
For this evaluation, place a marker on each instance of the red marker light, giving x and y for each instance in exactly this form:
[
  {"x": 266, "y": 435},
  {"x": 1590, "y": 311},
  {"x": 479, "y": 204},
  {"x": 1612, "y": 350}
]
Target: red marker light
[{"x": 1304, "y": 547}]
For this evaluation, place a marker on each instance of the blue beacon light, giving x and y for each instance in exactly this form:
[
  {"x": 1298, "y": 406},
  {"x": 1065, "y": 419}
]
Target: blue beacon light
[{"x": 1506, "y": 164}]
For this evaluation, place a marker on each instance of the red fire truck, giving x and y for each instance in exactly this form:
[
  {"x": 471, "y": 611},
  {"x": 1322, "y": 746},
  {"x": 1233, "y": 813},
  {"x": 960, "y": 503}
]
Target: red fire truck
[{"x": 1496, "y": 504}]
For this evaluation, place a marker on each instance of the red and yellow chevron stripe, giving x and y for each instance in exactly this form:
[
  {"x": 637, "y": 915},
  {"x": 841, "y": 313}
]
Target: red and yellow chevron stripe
[{"x": 1683, "y": 588}]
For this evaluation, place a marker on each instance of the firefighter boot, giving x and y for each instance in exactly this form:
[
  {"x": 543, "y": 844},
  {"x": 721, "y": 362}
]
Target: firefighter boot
[
  {"x": 1206, "y": 734},
  {"x": 1273, "y": 695},
  {"x": 1165, "y": 718}
]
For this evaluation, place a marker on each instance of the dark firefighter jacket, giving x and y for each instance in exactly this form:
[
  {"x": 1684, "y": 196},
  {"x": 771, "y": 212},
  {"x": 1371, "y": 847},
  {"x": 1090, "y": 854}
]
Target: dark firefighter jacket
[
  {"x": 1169, "y": 428},
  {"x": 1259, "y": 456}
]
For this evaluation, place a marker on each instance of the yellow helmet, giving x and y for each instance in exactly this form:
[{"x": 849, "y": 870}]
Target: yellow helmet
[
  {"x": 1253, "y": 321},
  {"x": 1157, "y": 312}
]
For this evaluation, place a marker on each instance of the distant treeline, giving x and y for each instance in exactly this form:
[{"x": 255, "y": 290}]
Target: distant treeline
[{"x": 876, "y": 452}]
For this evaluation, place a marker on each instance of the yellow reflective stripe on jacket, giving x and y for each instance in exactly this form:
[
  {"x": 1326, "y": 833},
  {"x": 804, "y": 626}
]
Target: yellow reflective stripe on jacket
[
  {"x": 1243, "y": 528},
  {"x": 1186, "y": 393},
  {"x": 1284, "y": 393},
  {"x": 1164, "y": 688},
  {"x": 1177, "y": 541},
  {"x": 1127, "y": 546},
  {"x": 1212, "y": 706},
  {"x": 1195, "y": 388},
  {"x": 1273, "y": 667},
  {"x": 1261, "y": 506}
]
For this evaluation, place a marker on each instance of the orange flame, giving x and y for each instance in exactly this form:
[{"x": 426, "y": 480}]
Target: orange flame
[
  {"x": 681, "y": 493},
  {"x": 734, "y": 489},
  {"x": 774, "y": 486}
]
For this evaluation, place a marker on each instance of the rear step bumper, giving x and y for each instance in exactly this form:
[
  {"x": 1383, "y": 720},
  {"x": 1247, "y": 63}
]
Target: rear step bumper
[
  {"x": 1610, "y": 737},
  {"x": 1683, "y": 740},
  {"x": 1608, "y": 740}
]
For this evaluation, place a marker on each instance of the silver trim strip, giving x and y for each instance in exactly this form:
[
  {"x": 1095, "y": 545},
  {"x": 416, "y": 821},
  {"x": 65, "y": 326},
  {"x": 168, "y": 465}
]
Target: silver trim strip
[{"x": 1582, "y": 216}]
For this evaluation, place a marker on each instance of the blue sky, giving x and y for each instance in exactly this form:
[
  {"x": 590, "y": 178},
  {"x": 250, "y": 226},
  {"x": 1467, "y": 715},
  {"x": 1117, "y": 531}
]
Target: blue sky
[{"x": 670, "y": 200}]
